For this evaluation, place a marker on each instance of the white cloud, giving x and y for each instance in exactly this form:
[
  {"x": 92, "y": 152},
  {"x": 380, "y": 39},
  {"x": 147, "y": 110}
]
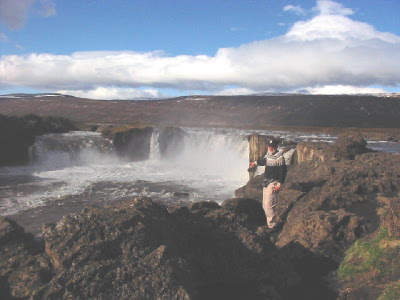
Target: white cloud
[
  {"x": 330, "y": 49},
  {"x": 298, "y": 10},
  {"x": 105, "y": 93},
  {"x": 14, "y": 13},
  {"x": 327, "y": 7},
  {"x": 343, "y": 89}
]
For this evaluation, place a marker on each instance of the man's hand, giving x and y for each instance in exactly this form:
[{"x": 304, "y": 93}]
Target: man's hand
[
  {"x": 252, "y": 164},
  {"x": 276, "y": 187}
]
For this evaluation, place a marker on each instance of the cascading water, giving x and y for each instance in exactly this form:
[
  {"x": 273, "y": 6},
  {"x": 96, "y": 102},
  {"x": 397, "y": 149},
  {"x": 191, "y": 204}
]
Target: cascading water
[
  {"x": 154, "y": 147},
  {"x": 69, "y": 171},
  {"x": 75, "y": 148}
]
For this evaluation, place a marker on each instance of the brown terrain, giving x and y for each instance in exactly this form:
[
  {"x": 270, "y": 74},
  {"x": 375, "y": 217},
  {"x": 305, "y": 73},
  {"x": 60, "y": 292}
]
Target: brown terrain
[{"x": 371, "y": 115}]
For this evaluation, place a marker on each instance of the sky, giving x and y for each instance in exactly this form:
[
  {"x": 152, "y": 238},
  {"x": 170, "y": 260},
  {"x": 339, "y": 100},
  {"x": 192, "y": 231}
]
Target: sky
[{"x": 127, "y": 49}]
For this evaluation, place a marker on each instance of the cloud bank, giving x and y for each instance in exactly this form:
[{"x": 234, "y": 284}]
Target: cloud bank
[{"x": 330, "y": 49}]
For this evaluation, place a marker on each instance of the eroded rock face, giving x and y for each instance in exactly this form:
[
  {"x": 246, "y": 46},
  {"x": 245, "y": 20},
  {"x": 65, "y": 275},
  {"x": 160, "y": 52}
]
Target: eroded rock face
[{"x": 132, "y": 144}]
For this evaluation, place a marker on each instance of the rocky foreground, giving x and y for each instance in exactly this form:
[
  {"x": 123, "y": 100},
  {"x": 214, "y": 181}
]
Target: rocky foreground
[{"x": 340, "y": 240}]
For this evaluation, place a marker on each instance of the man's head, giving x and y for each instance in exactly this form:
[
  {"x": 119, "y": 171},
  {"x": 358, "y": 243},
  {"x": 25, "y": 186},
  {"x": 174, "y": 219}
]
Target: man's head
[{"x": 272, "y": 145}]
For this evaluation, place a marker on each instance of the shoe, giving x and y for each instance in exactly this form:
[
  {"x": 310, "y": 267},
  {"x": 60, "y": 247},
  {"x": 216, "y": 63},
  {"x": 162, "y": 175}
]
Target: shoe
[
  {"x": 271, "y": 229},
  {"x": 278, "y": 226}
]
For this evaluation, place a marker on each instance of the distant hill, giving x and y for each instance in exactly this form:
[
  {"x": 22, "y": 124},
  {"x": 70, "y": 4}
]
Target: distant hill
[{"x": 254, "y": 111}]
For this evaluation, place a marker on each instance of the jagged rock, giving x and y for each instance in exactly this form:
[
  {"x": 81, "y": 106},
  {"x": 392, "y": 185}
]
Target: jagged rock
[
  {"x": 330, "y": 199},
  {"x": 325, "y": 233},
  {"x": 137, "y": 249},
  {"x": 171, "y": 140},
  {"x": 24, "y": 271}
]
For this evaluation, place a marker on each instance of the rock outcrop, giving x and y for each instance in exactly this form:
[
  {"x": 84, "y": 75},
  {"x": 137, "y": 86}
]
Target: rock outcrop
[
  {"x": 24, "y": 269},
  {"x": 132, "y": 144},
  {"x": 345, "y": 147},
  {"x": 334, "y": 196},
  {"x": 138, "y": 249},
  {"x": 18, "y": 134}
]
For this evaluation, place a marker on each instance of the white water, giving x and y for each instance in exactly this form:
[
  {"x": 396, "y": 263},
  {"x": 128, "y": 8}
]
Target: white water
[{"x": 211, "y": 166}]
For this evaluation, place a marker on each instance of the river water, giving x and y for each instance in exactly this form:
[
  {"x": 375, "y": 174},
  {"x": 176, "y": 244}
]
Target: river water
[{"x": 70, "y": 171}]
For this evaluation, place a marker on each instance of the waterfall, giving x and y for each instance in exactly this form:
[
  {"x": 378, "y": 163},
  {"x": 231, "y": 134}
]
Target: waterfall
[
  {"x": 71, "y": 149},
  {"x": 154, "y": 147},
  {"x": 214, "y": 154}
]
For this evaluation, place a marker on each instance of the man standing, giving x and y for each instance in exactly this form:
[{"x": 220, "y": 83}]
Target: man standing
[{"x": 274, "y": 176}]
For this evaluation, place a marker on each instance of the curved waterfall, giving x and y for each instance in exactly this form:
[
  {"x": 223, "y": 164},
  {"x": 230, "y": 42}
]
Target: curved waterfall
[{"x": 70, "y": 149}]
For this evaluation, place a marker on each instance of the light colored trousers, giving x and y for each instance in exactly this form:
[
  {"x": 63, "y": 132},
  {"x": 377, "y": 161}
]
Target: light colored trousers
[{"x": 269, "y": 202}]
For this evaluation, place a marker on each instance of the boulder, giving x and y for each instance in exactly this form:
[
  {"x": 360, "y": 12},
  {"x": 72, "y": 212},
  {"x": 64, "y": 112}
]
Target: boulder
[{"x": 132, "y": 144}]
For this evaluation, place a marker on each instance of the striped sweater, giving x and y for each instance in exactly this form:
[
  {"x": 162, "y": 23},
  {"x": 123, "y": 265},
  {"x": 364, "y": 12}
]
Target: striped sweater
[{"x": 275, "y": 166}]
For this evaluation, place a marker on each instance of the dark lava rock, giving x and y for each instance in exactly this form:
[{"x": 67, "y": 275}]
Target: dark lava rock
[
  {"x": 24, "y": 270},
  {"x": 132, "y": 144},
  {"x": 138, "y": 250}
]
